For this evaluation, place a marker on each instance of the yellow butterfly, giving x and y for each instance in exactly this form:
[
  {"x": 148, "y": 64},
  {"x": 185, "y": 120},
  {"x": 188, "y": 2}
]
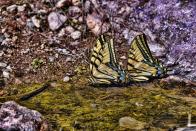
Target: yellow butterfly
[
  {"x": 104, "y": 68},
  {"x": 142, "y": 66}
]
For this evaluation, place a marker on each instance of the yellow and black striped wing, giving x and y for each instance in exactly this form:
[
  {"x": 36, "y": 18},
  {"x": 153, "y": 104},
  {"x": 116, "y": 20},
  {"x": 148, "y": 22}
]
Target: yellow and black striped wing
[
  {"x": 141, "y": 64},
  {"x": 103, "y": 65}
]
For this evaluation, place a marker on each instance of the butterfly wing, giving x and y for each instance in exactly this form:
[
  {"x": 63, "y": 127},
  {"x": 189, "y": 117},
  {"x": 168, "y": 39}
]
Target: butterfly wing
[
  {"x": 103, "y": 65},
  {"x": 141, "y": 64}
]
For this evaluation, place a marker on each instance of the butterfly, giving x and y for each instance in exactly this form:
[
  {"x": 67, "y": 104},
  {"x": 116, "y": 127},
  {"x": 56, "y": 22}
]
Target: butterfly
[
  {"x": 104, "y": 68},
  {"x": 142, "y": 66}
]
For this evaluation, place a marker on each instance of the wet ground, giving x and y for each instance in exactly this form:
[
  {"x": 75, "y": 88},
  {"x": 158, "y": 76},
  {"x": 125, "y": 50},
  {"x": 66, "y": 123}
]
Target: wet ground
[{"x": 78, "y": 106}]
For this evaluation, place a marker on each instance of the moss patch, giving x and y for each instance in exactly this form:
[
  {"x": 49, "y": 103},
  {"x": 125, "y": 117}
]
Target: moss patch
[{"x": 81, "y": 107}]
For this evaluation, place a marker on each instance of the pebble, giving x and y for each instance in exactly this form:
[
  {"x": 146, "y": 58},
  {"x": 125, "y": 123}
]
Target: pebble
[
  {"x": 56, "y": 20},
  {"x": 74, "y": 11},
  {"x": 21, "y": 8},
  {"x": 61, "y": 32},
  {"x": 123, "y": 57},
  {"x": 51, "y": 59},
  {"x": 62, "y": 3},
  {"x": 69, "y": 29},
  {"x": 6, "y": 74},
  {"x": 76, "y": 2},
  {"x": 11, "y": 8},
  {"x": 3, "y": 64},
  {"x": 75, "y": 35},
  {"x": 63, "y": 51},
  {"x": 36, "y": 21},
  {"x": 131, "y": 123},
  {"x": 66, "y": 79}
]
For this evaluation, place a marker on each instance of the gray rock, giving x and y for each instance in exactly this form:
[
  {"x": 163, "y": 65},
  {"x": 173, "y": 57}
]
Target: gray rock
[
  {"x": 131, "y": 123},
  {"x": 3, "y": 64},
  {"x": 62, "y": 51},
  {"x": 170, "y": 25},
  {"x": 11, "y": 8},
  {"x": 76, "y": 2},
  {"x": 36, "y": 21},
  {"x": 75, "y": 35},
  {"x": 69, "y": 29},
  {"x": 74, "y": 11},
  {"x": 56, "y": 20},
  {"x": 66, "y": 79},
  {"x": 16, "y": 117},
  {"x": 62, "y": 3},
  {"x": 21, "y": 8},
  {"x": 6, "y": 74}
]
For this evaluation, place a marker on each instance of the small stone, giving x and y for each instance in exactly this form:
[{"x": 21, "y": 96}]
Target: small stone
[
  {"x": 21, "y": 8},
  {"x": 63, "y": 51},
  {"x": 95, "y": 24},
  {"x": 69, "y": 29},
  {"x": 61, "y": 33},
  {"x": 56, "y": 20},
  {"x": 74, "y": 11},
  {"x": 62, "y": 3},
  {"x": 68, "y": 59},
  {"x": 3, "y": 64},
  {"x": 131, "y": 123},
  {"x": 75, "y": 35},
  {"x": 8, "y": 68},
  {"x": 18, "y": 81},
  {"x": 11, "y": 8},
  {"x": 123, "y": 57},
  {"x": 51, "y": 59},
  {"x": 6, "y": 74},
  {"x": 30, "y": 24},
  {"x": 66, "y": 79},
  {"x": 76, "y": 2},
  {"x": 36, "y": 21}
]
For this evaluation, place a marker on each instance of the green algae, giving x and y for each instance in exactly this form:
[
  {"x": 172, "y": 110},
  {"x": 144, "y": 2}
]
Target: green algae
[{"x": 78, "y": 106}]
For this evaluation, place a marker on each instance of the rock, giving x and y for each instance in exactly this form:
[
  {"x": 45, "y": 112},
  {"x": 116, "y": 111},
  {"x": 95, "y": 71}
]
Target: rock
[
  {"x": 36, "y": 21},
  {"x": 74, "y": 11},
  {"x": 131, "y": 123},
  {"x": 16, "y": 117},
  {"x": 3, "y": 64},
  {"x": 51, "y": 59},
  {"x": 123, "y": 57},
  {"x": 21, "y": 8},
  {"x": 6, "y": 74},
  {"x": 62, "y": 3},
  {"x": 11, "y": 8},
  {"x": 56, "y": 20},
  {"x": 62, "y": 51},
  {"x": 170, "y": 25},
  {"x": 95, "y": 24},
  {"x": 66, "y": 79},
  {"x": 17, "y": 81},
  {"x": 68, "y": 59},
  {"x": 76, "y": 2},
  {"x": 69, "y": 29},
  {"x": 75, "y": 35},
  {"x": 30, "y": 24},
  {"x": 61, "y": 32}
]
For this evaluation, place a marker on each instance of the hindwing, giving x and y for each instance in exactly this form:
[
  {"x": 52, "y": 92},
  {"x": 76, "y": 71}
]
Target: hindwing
[{"x": 141, "y": 64}]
